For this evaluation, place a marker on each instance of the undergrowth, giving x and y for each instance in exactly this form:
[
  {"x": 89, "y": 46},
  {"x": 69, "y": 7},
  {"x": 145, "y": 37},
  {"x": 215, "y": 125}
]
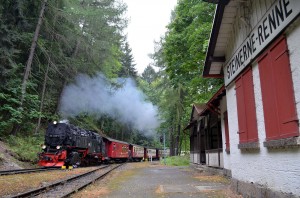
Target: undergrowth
[
  {"x": 26, "y": 148},
  {"x": 177, "y": 160}
]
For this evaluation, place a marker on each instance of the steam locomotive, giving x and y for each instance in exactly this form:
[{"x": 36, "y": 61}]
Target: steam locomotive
[{"x": 68, "y": 145}]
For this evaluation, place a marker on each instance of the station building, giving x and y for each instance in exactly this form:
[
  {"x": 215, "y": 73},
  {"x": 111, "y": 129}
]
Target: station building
[
  {"x": 255, "y": 46},
  {"x": 206, "y": 144}
]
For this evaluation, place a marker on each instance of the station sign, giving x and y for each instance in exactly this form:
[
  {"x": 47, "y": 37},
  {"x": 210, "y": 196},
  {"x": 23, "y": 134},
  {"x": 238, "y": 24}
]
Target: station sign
[{"x": 279, "y": 16}]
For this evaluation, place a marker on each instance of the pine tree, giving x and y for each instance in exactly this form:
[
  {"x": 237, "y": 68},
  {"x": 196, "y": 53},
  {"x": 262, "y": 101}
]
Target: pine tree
[
  {"x": 149, "y": 74},
  {"x": 127, "y": 61}
]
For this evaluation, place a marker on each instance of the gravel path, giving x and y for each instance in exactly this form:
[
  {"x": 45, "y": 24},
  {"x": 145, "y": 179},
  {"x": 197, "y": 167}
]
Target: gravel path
[
  {"x": 163, "y": 182},
  {"x": 153, "y": 180}
]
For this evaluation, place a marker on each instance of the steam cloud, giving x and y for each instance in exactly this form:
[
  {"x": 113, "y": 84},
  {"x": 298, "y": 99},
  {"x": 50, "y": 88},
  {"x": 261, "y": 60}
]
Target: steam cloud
[{"x": 96, "y": 96}]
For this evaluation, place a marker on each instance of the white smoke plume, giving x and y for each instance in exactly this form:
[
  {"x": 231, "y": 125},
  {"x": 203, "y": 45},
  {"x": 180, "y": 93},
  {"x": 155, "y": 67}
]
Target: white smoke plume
[{"x": 96, "y": 96}]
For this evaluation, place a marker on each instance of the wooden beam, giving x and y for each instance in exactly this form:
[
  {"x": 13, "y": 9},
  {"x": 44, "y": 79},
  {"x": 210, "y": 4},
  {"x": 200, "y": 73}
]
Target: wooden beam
[{"x": 217, "y": 59}]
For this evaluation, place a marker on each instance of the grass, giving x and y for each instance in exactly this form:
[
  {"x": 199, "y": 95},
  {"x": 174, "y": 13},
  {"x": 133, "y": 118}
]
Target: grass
[
  {"x": 213, "y": 178},
  {"x": 177, "y": 161},
  {"x": 122, "y": 177},
  {"x": 26, "y": 148},
  {"x": 1, "y": 157}
]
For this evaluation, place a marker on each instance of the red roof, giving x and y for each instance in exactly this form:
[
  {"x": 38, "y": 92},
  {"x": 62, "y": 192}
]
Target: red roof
[{"x": 213, "y": 103}]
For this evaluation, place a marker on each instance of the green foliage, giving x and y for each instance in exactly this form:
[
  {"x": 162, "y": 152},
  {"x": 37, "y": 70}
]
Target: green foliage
[
  {"x": 26, "y": 147},
  {"x": 97, "y": 42},
  {"x": 12, "y": 113},
  {"x": 127, "y": 61},
  {"x": 177, "y": 161},
  {"x": 75, "y": 37},
  {"x": 180, "y": 56},
  {"x": 86, "y": 37},
  {"x": 184, "y": 47},
  {"x": 149, "y": 74},
  {"x": 88, "y": 122}
]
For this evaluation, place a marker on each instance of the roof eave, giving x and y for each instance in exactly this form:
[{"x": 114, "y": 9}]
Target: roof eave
[
  {"x": 217, "y": 96},
  {"x": 213, "y": 38}
]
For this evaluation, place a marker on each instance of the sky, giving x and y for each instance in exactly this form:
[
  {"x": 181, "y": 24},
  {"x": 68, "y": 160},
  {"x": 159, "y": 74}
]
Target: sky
[{"x": 147, "y": 23}]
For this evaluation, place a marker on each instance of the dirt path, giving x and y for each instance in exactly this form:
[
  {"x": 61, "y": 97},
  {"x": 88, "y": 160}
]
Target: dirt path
[{"x": 7, "y": 161}]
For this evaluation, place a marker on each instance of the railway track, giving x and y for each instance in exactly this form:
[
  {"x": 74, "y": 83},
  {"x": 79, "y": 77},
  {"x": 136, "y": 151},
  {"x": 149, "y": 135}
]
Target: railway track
[
  {"x": 66, "y": 187},
  {"x": 20, "y": 171}
]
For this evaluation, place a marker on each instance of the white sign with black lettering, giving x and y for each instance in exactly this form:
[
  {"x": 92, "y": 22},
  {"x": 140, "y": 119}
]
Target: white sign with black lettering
[{"x": 271, "y": 24}]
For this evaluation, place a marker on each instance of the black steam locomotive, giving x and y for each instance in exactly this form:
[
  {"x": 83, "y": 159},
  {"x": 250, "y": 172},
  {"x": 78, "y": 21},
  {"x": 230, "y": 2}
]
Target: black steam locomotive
[{"x": 66, "y": 144}]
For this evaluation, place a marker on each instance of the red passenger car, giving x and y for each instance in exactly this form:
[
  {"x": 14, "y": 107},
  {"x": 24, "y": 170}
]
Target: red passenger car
[{"x": 115, "y": 150}]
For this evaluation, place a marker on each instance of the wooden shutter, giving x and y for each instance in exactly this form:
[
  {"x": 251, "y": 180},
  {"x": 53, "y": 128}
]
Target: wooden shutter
[
  {"x": 288, "y": 122},
  {"x": 277, "y": 92},
  {"x": 246, "y": 107},
  {"x": 268, "y": 92},
  {"x": 252, "y": 134},
  {"x": 241, "y": 111}
]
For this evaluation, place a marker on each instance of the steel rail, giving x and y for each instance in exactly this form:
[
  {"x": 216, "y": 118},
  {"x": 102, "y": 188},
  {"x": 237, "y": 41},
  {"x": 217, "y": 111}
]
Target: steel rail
[
  {"x": 83, "y": 185},
  {"x": 38, "y": 191},
  {"x": 20, "y": 171}
]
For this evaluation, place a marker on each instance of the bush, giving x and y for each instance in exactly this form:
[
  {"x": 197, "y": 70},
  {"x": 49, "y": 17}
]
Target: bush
[
  {"x": 177, "y": 161},
  {"x": 26, "y": 148}
]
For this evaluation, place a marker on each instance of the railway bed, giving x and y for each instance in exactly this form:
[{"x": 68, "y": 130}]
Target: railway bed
[{"x": 65, "y": 187}]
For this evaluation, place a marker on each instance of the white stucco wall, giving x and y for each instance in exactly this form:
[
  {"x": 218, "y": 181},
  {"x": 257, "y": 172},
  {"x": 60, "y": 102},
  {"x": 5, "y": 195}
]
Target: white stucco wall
[
  {"x": 226, "y": 156},
  {"x": 277, "y": 169}
]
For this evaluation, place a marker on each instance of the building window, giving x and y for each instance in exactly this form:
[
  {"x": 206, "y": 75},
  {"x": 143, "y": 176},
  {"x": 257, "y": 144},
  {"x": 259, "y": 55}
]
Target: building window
[
  {"x": 277, "y": 92},
  {"x": 227, "y": 143},
  {"x": 246, "y": 109}
]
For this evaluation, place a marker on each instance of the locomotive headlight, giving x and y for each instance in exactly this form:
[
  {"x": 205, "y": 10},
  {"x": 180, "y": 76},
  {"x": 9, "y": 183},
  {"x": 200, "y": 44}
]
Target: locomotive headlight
[
  {"x": 55, "y": 122},
  {"x": 43, "y": 146},
  {"x": 58, "y": 147}
]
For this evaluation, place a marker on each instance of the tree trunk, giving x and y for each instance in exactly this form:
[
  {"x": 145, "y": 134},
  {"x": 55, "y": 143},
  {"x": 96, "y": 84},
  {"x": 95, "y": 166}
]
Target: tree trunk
[
  {"x": 42, "y": 97},
  {"x": 31, "y": 54},
  {"x": 17, "y": 127},
  {"x": 102, "y": 124},
  {"x": 177, "y": 139},
  {"x": 76, "y": 48},
  {"x": 65, "y": 79},
  {"x": 172, "y": 148},
  {"x": 180, "y": 143},
  {"x": 60, "y": 95}
]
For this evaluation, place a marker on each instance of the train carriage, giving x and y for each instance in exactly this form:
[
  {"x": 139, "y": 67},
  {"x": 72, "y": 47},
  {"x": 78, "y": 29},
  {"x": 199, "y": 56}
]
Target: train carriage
[
  {"x": 151, "y": 154},
  {"x": 116, "y": 150},
  {"x": 164, "y": 153},
  {"x": 136, "y": 152}
]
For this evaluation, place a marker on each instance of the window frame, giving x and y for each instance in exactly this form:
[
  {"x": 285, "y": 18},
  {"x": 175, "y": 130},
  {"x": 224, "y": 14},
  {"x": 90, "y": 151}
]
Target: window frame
[{"x": 226, "y": 131}]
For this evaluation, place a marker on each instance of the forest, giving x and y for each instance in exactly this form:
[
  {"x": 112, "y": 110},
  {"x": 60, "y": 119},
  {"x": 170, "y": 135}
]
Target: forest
[{"x": 66, "y": 59}]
